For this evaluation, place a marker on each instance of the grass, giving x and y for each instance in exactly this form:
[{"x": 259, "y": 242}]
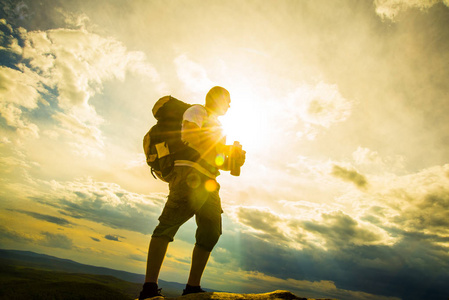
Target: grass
[{"x": 19, "y": 282}]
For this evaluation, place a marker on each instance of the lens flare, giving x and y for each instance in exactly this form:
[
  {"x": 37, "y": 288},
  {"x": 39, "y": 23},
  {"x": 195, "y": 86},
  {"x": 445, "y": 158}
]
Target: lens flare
[
  {"x": 193, "y": 180},
  {"x": 211, "y": 185},
  {"x": 219, "y": 160}
]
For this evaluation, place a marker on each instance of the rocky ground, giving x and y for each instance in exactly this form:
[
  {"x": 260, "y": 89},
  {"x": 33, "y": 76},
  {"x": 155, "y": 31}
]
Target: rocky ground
[{"x": 231, "y": 296}]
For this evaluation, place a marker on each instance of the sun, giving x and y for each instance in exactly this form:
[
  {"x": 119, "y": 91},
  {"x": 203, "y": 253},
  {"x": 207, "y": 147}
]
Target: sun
[{"x": 247, "y": 124}]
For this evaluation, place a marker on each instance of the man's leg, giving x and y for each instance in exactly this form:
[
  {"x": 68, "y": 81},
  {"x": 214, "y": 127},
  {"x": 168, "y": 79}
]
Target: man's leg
[
  {"x": 156, "y": 254},
  {"x": 200, "y": 256},
  {"x": 208, "y": 220}
]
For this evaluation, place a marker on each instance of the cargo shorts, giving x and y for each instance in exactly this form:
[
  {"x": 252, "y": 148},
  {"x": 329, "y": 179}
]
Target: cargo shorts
[{"x": 192, "y": 194}]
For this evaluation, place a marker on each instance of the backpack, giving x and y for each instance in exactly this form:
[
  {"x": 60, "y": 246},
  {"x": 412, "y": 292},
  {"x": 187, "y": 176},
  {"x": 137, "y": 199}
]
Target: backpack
[{"x": 163, "y": 141}]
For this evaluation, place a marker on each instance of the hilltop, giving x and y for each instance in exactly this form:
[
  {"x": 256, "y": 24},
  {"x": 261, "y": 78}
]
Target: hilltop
[
  {"x": 29, "y": 275},
  {"x": 276, "y": 295}
]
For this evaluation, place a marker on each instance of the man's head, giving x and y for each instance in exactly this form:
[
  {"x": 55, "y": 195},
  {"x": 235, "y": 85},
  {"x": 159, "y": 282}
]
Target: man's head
[{"x": 218, "y": 100}]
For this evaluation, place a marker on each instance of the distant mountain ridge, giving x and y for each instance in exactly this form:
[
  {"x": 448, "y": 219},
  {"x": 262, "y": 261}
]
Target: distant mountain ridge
[
  {"x": 39, "y": 261},
  {"x": 18, "y": 282},
  {"x": 43, "y": 261}
]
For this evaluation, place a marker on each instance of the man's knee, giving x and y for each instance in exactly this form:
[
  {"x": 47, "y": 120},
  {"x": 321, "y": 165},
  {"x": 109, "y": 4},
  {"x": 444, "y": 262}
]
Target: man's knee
[
  {"x": 167, "y": 238},
  {"x": 208, "y": 240},
  {"x": 165, "y": 231}
]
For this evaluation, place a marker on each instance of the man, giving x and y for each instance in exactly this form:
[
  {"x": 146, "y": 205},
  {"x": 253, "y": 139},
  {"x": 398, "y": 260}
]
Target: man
[{"x": 194, "y": 191}]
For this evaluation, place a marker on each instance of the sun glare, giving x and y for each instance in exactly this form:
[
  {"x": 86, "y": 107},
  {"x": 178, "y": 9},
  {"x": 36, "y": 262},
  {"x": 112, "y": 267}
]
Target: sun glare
[{"x": 246, "y": 123}]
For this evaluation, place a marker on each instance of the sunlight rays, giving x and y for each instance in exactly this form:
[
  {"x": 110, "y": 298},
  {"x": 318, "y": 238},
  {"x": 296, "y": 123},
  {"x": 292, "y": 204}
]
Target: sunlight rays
[{"x": 247, "y": 122}]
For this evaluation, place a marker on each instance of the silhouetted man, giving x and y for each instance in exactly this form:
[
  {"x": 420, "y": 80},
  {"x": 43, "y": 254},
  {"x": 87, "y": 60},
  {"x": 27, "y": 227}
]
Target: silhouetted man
[{"x": 194, "y": 191}]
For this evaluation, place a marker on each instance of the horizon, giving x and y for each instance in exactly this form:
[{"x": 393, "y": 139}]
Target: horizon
[{"x": 341, "y": 107}]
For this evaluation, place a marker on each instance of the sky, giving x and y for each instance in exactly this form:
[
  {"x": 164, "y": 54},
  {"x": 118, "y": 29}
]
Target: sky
[{"x": 341, "y": 107}]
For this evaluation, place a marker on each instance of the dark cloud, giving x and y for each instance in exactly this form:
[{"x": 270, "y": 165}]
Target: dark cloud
[
  {"x": 182, "y": 260},
  {"x": 9, "y": 36},
  {"x": 118, "y": 217},
  {"x": 222, "y": 256},
  {"x": 23, "y": 13},
  {"x": 424, "y": 213},
  {"x": 81, "y": 195},
  {"x": 405, "y": 257},
  {"x": 100, "y": 203},
  {"x": 47, "y": 202},
  {"x": 48, "y": 218},
  {"x": 338, "y": 228},
  {"x": 10, "y": 234},
  {"x": 261, "y": 220},
  {"x": 137, "y": 257},
  {"x": 349, "y": 175},
  {"x": 56, "y": 240},
  {"x": 396, "y": 270},
  {"x": 48, "y": 239},
  {"x": 15, "y": 10},
  {"x": 113, "y": 237}
]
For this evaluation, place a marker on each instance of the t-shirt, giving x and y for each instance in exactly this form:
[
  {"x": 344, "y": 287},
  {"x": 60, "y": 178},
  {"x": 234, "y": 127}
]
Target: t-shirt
[
  {"x": 196, "y": 114},
  {"x": 209, "y": 125}
]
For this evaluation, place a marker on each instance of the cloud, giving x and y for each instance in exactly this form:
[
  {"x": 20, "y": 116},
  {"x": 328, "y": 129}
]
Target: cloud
[
  {"x": 55, "y": 73},
  {"x": 371, "y": 269},
  {"x": 306, "y": 288},
  {"x": 222, "y": 255},
  {"x": 11, "y": 234},
  {"x": 20, "y": 88},
  {"x": 372, "y": 160},
  {"x": 426, "y": 213},
  {"x": 105, "y": 203},
  {"x": 137, "y": 257},
  {"x": 95, "y": 239},
  {"x": 317, "y": 107},
  {"x": 14, "y": 119},
  {"x": 395, "y": 236},
  {"x": 263, "y": 222},
  {"x": 20, "y": 10},
  {"x": 12, "y": 163},
  {"x": 322, "y": 104},
  {"x": 192, "y": 74},
  {"x": 338, "y": 229},
  {"x": 79, "y": 62},
  {"x": 332, "y": 230},
  {"x": 113, "y": 237},
  {"x": 45, "y": 238},
  {"x": 350, "y": 175},
  {"x": 48, "y": 218},
  {"x": 18, "y": 92},
  {"x": 84, "y": 138},
  {"x": 389, "y": 9},
  {"x": 55, "y": 240},
  {"x": 414, "y": 203},
  {"x": 366, "y": 156}
]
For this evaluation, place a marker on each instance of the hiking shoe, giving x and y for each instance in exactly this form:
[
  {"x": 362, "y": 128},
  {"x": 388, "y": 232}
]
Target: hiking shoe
[
  {"x": 150, "y": 290},
  {"x": 192, "y": 290}
]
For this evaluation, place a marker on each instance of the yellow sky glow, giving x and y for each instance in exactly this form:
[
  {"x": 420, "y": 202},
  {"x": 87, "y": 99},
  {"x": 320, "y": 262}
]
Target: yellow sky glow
[{"x": 341, "y": 107}]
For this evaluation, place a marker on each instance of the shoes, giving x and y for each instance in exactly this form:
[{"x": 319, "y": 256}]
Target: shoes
[
  {"x": 192, "y": 290},
  {"x": 150, "y": 290}
]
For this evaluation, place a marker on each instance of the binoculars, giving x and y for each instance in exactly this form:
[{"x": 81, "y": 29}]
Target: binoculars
[{"x": 236, "y": 158}]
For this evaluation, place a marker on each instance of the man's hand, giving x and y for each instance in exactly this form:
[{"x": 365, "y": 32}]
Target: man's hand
[{"x": 242, "y": 157}]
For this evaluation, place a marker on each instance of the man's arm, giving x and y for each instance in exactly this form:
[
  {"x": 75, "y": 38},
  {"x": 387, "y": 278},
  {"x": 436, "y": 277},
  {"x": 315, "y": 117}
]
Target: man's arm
[
  {"x": 191, "y": 135},
  {"x": 205, "y": 141}
]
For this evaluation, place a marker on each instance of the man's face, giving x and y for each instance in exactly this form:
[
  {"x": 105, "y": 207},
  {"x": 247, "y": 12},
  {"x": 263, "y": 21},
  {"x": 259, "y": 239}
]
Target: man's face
[{"x": 222, "y": 105}]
